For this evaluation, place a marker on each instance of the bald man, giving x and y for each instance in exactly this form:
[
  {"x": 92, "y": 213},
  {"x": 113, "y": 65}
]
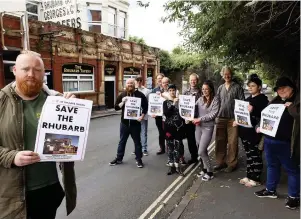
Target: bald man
[
  {"x": 130, "y": 127},
  {"x": 29, "y": 188}
]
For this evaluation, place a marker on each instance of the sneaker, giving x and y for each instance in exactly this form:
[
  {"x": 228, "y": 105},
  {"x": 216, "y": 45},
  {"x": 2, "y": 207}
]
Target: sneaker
[
  {"x": 201, "y": 174},
  {"x": 133, "y": 153},
  {"x": 229, "y": 169},
  {"x": 252, "y": 183},
  {"x": 266, "y": 194},
  {"x": 139, "y": 164},
  {"x": 145, "y": 153},
  {"x": 207, "y": 177},
  {"x": 292, "y": 203},
  {"x": 244, "y": 181},
  {"x": 160, "y": 152},
  {"x": 115, "y": 162},
  {"x": 168, "y": 163}
]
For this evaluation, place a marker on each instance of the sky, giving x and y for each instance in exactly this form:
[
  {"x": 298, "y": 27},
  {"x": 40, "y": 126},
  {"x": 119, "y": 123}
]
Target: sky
[{"x": 145, "y": 23}]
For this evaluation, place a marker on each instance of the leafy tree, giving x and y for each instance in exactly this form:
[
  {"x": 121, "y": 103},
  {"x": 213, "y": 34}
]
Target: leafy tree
[
  {"x": 137, "y": 40},
  {"x": 242, "y": 33}
]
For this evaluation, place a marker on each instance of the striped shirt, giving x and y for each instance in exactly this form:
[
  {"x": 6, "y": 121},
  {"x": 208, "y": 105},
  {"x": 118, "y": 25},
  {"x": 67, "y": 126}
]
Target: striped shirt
[{"x": 227, "y": 99}]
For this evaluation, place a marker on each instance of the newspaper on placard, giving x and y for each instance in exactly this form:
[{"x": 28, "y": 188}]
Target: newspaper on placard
[
  {"x": 186, "y": 106},
  {"x": 270, "y": 119},
  {"x": 242, "y": 114},
  {"x": 63, "y": 129},
  {"x": 155, "y": 105},
  {"x": 132, "y": 108}
]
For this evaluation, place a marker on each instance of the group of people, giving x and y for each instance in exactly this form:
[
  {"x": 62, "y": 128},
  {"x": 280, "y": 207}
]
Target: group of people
[
  {"x": 215, "y": 111},
  {"x": 31, "y": 189}
]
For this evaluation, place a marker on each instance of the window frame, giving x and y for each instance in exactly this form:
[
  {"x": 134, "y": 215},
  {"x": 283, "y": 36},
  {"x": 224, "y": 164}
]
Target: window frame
[
  {"x": 78, "y": 80},
  {"x": 33, "y": 3},
  {"x": 115, "y": 21},
  {"x": 122, "y": 29},
  {"x": 95, "y": 23}
]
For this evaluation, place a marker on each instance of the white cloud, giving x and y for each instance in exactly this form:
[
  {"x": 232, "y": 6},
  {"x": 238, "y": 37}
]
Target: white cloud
[{"x": 145, "y": 23}]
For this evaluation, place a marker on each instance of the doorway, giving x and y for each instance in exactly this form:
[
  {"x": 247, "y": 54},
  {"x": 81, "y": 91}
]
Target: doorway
[{"x": 110, "y": 91}]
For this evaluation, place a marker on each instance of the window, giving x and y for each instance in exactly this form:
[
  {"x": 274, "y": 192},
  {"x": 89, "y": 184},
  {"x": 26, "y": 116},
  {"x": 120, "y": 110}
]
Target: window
[
  {"x": 112, "y": 22},
  {"x": 78, "y": 83},
  {"x": 121, "y": 24},
  {"x": 94, "y": 20},
  {"x": 32, "y": 10}
]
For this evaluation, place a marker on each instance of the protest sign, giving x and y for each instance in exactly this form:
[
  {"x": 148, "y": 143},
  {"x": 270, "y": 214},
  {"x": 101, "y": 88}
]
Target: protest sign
[
  {"x": 270, "y": 119},
  {"x": 63, "y": 129},
  {"x": 132, "y": 108},
  {"x": 155, "y": 105},
  {"x": 186, "y": 106},
  {"x": 242, "y": 114}
]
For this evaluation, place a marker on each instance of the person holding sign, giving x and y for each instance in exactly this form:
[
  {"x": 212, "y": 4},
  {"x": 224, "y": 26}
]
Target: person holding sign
[
  {"x": 250, "y": 139},
  {"x": 174, "y": 130},
  {"x": 29, "y": 188},
  {"x": 226, "y": 143},
  {"x": 130, "y": 126},
  {"x": 159, "y": 121},
  {"x": 279, "y": 149},
  {"x": 193, "y": 90},
  {"x": 206, "y": 112},
  {"x": 144, "y": 122}
]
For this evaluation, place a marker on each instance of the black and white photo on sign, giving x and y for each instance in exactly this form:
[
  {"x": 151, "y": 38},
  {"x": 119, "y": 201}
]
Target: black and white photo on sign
[
  {"x": 242, "y": 114},
  {"x": 63, "y": 129},
  {"x": 132, "y": 108},
  {"x": 270, "y": 119},
  {"x": 187, "y": 106},
  {"x": 155, "y": 103}
]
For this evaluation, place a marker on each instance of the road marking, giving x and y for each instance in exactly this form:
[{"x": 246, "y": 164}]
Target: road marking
[
  {"x": 156, "y": 202},
  {"x": 173, "y": 192}
]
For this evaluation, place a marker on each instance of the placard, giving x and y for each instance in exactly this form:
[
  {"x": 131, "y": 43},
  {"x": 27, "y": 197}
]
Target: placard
[
  {"x": 155, "y": 105},
  {"x": 270, "y": 119},
  {"x": 242, "y": 114},
  {"x": 132, "y": 108},
  {"x": 63, "y": 129},
  {"x": 187, "y": 106}
]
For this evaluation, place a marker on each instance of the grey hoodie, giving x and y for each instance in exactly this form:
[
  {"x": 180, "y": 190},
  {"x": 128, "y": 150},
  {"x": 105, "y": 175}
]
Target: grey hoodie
[{"x": 209, "y": 114}]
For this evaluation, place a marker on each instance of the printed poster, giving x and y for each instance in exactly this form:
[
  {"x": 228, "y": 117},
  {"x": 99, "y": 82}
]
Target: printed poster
[
  {"x": 132, "y": 108},
  {"x": 155, "y": 105},
  {"x": 270, "y": 119},
  {"x": 63, "y": 129},
  {"x": 242, "y": 114},
  {"x": 186, "y": 106}
]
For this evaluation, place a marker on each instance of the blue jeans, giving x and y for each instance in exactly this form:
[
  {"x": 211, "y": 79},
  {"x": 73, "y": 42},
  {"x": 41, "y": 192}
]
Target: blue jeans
[
  {"x": 144, "y": 124},
  {"x": 125, "y": 132},
  {"x": 279, "y": 153}
]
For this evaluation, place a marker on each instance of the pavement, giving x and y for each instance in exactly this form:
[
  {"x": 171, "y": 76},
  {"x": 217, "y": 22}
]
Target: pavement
[
  {"x": 224, "y": 198},
  {"x": 123, "y": 191},
  {"x": 104, "y": 113}
]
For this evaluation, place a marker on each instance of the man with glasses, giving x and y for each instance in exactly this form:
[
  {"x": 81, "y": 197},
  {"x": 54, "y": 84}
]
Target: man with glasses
[{"x": 144, "y": 122}]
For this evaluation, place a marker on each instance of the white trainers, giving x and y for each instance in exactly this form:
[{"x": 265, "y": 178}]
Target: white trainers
[
  {"x": 244, "y": 181},
  {"x": 201, "y": 174},
  {"x": 206, "y": 177}
]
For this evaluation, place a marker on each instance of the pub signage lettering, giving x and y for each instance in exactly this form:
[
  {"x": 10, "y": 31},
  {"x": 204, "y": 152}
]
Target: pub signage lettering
[
  {"x": 131, "y": 71},
  {"x": 110, "y": 70},
  {"x": 150, "y": 72},
  {"x": 77, "y": 68}
]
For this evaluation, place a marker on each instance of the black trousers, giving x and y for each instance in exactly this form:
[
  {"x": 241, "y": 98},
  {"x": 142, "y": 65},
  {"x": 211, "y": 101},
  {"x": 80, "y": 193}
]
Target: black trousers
[
  {"x": 160, "y": 126},
  {"x": 43, "y": 203},
  {"x": 190, "y": 134}
]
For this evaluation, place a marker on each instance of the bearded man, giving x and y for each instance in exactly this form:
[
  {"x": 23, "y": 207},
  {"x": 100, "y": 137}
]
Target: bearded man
[
  {"x": 130, "y": 127},
  {"x": 29, "y": 188}
]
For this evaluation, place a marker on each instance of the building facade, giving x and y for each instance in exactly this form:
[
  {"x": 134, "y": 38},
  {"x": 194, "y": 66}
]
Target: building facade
[
  {"x": 109, "y": 17},
  {"x": 94, "y": 66}
]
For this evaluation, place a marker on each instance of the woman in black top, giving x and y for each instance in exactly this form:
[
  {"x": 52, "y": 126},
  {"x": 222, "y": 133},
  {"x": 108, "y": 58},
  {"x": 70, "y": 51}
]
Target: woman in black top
[
  {"x": 278, "y": 150},
  {"x": 173, "y": 127},
  {"x": 250, "y": 139}
]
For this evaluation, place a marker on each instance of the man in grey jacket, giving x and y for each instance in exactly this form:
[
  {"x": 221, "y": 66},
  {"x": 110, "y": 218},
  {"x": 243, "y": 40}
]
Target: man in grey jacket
[{"x": 226, "y": 140}]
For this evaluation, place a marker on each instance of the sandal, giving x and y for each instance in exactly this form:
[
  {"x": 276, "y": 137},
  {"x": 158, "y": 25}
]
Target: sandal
[
  {"x": 252, "y": 183},
  {"x": 244, "y": 181}
]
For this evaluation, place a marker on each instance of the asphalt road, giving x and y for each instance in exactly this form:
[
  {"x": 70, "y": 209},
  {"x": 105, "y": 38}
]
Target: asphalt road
[{"x": 118, "y": 192}]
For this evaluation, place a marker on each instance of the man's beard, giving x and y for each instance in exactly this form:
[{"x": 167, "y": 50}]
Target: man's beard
[
  {"x": 30, "y": 88},
  {"x": 129, "y": 89}
]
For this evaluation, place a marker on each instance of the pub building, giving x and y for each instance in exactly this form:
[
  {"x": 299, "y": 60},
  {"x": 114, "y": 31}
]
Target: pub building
[{"x": 91, "y": 65}]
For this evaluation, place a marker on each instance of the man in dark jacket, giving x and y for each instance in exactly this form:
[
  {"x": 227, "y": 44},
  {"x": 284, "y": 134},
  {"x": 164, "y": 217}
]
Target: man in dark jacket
[{"x": 130, "y": 127}]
